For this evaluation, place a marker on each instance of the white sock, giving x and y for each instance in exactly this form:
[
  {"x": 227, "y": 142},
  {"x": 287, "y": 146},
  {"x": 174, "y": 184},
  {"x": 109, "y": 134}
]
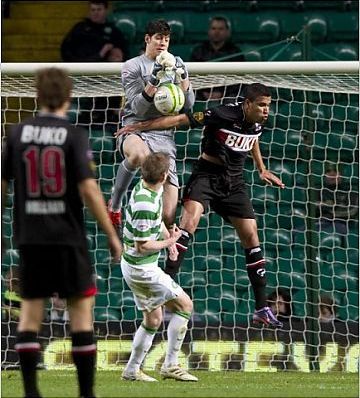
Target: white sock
[
  {"x": 141, "y": 344},
  {"x": 176, "y": 333}
]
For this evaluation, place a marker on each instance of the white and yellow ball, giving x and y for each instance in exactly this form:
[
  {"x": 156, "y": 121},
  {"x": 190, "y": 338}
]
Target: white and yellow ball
[{"x": 169, "y": 99}]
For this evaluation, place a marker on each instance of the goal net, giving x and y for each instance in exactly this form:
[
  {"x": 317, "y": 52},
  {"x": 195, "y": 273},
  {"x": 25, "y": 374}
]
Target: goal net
[{"x": 308, "y": 230}]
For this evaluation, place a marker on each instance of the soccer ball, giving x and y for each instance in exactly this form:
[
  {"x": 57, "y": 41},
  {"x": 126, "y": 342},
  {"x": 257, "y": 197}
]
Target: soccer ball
[{"x": 169, "y": 99}]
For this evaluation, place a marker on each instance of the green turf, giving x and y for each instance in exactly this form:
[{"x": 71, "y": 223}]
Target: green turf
[{"x": 211, "y": 384}]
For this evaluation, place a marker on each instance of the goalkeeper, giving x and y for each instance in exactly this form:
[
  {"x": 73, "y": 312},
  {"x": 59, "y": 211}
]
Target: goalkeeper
[
  {"x": 140, "y": 78},
  {"x": 231, "y": 131}
]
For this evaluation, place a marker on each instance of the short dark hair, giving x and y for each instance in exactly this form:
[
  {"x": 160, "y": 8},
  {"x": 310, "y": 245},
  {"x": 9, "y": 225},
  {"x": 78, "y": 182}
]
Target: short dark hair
[
  {"x": 219, "y": 18},
  {"x": 53, "y": 87},
  {"x": 158, "y": 26},
  {"x": 104, "y": 3},
  {"x": 154, "y": 167},
  {"x": 255, "y": 90}
]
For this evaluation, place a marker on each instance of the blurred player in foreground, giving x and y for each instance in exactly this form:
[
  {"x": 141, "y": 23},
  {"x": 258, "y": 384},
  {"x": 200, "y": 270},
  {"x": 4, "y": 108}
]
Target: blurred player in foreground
[
  {"x": 145, "y": 235},
  {"x": 141, "y": 77},
  {"x": 51, "y": 164},
  {"x": 231, "y": 131}
]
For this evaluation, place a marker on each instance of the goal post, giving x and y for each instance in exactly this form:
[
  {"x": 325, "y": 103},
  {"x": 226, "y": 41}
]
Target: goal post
[{"x": 312, "y": 258}]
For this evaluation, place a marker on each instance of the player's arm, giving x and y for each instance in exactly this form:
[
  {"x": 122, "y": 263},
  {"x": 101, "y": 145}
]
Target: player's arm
[
  {"x": 196, "y": 119},
  {"x": 153, "y": 246},
  {"x": 94, "y": 200},
  {"x": 140, "y": 97},
  {"x": 265, "y": 174},
  {"x": 161, "y": 123}
]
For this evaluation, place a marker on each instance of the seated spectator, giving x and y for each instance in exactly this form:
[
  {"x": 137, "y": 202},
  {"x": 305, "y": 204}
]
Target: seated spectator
[
  {"x": 58, "y": 311},
  {"x": 279, "y": 302},
  {"x": 218, "y": 45},
  {"x": 337, "y": 205},
  {"x": 94, "y": 39},
  {"x": 326, "y": 309},
  {"x": 11, "y": 303}
]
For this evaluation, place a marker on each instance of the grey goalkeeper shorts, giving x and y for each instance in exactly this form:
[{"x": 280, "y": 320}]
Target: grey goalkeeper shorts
[{"x": 157, "y": 142}]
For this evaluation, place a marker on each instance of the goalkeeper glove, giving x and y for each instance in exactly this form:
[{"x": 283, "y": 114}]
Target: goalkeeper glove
[
  {"x": 181, "y": 70},
  {"x": 156, "y": 74}
]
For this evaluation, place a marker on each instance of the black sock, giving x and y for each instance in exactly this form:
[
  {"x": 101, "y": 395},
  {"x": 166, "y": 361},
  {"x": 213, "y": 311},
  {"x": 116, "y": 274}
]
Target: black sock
[
  {"x": 255, "y": 265},
  {"x": 84, "y": 356},
  {"x": 172, "y": 267},
  {"x": 28, "y": 349}
]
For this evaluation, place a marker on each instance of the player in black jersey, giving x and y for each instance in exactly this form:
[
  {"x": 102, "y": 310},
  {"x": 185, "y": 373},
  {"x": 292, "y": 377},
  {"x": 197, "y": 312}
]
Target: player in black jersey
[
  {"x": 51, "y": 164},
  {"x": 231, "y": 131}
]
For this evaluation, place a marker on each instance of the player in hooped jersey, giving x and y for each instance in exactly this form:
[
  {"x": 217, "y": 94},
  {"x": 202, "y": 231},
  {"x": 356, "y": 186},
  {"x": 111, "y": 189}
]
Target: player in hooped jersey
[
  {"x": 231, "y": 131},
  {"x": 51, "y": 164}
]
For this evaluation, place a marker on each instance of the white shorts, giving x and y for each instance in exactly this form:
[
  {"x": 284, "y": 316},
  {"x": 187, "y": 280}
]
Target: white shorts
[{"x": 150, "y": 285}]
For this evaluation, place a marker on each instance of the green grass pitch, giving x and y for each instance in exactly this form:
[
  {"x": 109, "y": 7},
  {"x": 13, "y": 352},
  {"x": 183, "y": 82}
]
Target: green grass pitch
[{"x": 211, "y": 384}]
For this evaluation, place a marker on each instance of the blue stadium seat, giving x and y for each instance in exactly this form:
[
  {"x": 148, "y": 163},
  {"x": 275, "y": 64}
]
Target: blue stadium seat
[
  {"x": 343, "y": 26},
  {"x": 318, "y": 28},
  {"x": 254, "y": 27},
  {"x": 177, "y": 30},
  {"x": 335, "y": 51},
  {"x": 127, "y": 26},
  {"x": 181, "y": 50},
  {"x": 250, "y": 52}
]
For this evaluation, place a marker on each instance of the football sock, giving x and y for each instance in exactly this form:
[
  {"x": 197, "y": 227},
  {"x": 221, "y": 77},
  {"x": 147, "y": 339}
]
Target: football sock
[
  {"x": 84, "y": 356},
  {"x": 255, "y": 265},
  {"x": 142, "y": 342},
  {"x": 176, "y": 332},
  {"x": 124, "y": 176},
  {"x": 172, "y": 267},
  {"x": 28, "y": 349}
]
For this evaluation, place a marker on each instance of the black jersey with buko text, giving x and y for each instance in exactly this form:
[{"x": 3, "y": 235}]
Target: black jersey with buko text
[
  {"x": 47, "y": 157},
  {"x": 227, "y": 135}
]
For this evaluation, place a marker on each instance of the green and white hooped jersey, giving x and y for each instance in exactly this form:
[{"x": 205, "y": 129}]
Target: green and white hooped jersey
[{"x": 143, "y": 219}]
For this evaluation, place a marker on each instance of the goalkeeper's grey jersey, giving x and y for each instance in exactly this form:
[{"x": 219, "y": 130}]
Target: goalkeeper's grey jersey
[{"x": 135, "y": 74}]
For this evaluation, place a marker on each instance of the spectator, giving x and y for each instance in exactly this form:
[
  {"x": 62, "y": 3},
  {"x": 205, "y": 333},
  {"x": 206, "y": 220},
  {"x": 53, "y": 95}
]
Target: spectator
[
  {"x": 58, "y": 311},
  {"x": 279, "y": 302},
  {"x": 94, "y": 39},
  {"x": 218, "y": 45},
  {"x": 326, "y": 309},
  {"x": 338, "y": 205}
]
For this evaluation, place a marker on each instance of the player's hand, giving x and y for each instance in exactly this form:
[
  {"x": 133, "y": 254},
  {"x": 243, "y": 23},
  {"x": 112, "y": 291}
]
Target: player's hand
[
  {"x": 116, "y": 248},
  {"x": 173, "y": 252},
  {"x": 130, "y": 128},
  {"x": 156, "y": 74},
  {"x": 180, "y": 69},
  {"x": 271, "y": 178},
  {"x": 166, "y": 59},
  {"x": 105, "y": 49},
  {"x": 175, "y": 232}
]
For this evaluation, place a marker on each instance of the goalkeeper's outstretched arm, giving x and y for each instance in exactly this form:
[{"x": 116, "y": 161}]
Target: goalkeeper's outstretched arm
[{"x": 161, "y": 123}]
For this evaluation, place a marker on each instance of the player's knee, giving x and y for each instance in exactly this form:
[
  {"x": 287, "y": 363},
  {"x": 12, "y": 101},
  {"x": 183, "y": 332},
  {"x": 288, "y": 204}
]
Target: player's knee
[
  {"x": 186, "y": 304},
  {"x": 136, "y": 159},
  {"x": 153, "y": 321},
  {"x": 190, "y": 225},
  {"x": 250, "y": 238}
]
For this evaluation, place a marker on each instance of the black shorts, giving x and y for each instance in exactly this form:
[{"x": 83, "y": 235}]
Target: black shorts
[
  {"x": 45, "y": 270},
  {"x": 210, "y": 185}
]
